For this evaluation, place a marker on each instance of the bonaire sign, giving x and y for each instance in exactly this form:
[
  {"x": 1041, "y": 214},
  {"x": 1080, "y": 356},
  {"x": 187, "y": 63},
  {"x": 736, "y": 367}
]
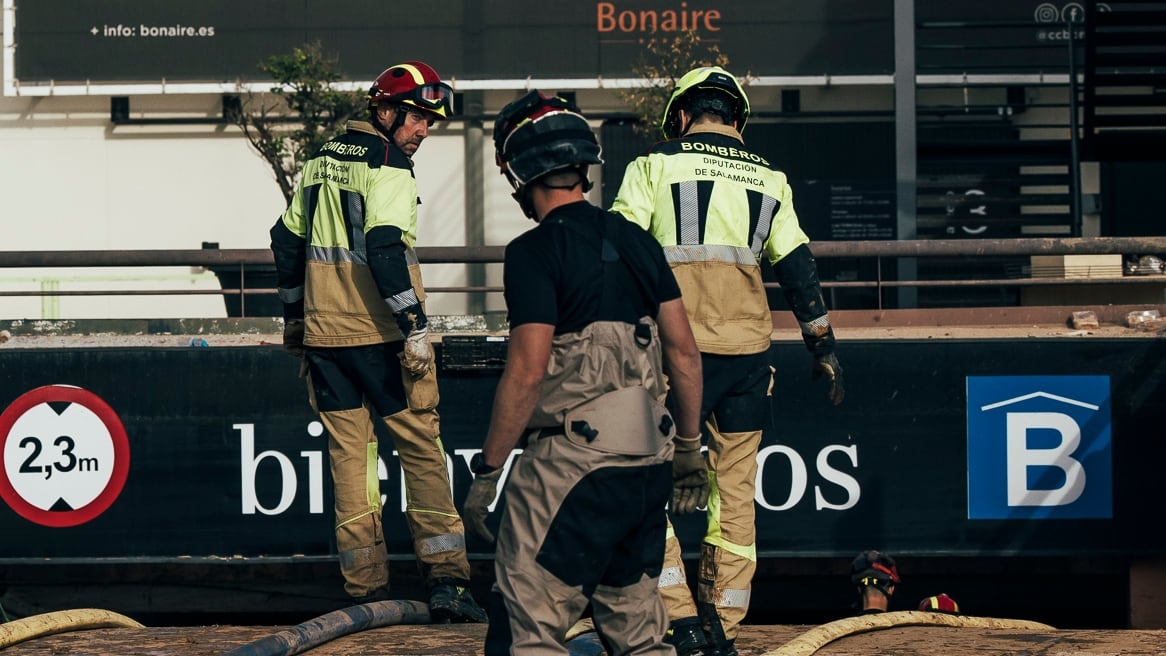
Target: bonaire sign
[{"x": 611, "y": 18}]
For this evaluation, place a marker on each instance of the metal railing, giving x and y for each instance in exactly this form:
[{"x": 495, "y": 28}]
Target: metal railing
[{"x": 961, "y": 256}]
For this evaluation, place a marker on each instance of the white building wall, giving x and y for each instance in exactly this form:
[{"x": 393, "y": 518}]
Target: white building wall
[{"x": 71, "y": 180}]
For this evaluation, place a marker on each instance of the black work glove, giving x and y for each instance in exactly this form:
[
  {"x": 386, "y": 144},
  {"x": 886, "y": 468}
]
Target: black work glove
[
  {"x": 483, "y": 492},
  {"x": 690, "y": 476},
  {"x": 293, "y": 337},
  {"x": 826, "y": 366}
]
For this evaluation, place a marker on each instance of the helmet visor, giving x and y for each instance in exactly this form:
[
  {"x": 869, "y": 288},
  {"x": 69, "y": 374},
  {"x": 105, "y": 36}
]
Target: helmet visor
[{"x": 437, "y": 97}]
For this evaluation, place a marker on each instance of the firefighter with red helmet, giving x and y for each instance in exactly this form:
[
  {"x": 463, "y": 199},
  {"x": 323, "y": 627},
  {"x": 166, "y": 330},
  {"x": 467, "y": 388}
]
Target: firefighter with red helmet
[
  {"x": 719, "y": 208},
  {"x": 875, "y": 575},
  {"x": 596, "y": 322},
  {"x": 354, "y": 310}
]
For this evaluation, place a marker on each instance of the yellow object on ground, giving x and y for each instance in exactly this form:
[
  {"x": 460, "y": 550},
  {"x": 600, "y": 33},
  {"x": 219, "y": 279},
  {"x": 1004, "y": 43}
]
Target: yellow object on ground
[
  {"x": 60, "y": 622},
  {"x": 817, "y": 637}
]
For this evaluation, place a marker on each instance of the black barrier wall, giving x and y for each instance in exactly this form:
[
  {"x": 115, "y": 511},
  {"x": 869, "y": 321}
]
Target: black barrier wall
[{"x": 942, "y": 447}]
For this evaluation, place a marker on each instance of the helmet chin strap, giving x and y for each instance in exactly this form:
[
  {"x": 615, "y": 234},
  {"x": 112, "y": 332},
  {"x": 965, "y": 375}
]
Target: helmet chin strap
[
  {"x": 523, "y": 198},
  {"x": 522, "y": 195},
  {"x": 587, "y": 184},
  {"x": 398, "y": 121}
]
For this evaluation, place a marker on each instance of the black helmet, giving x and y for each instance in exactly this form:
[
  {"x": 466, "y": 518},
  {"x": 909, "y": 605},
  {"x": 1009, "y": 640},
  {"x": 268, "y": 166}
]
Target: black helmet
[{"x": 538, "y": 134}]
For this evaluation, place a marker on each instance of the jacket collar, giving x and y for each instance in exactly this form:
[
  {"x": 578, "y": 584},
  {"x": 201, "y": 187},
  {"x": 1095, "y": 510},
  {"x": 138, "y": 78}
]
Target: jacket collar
[
  {"x": 715, "y": 128},
  {"x": 363, "y": 126}
]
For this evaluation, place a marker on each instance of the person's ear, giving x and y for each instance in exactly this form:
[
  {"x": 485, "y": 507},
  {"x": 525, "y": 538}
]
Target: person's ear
[{"x": 386, "y": 112}]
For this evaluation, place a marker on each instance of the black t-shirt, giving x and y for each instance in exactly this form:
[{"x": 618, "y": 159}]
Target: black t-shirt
[{"x": 554, "y": 273}]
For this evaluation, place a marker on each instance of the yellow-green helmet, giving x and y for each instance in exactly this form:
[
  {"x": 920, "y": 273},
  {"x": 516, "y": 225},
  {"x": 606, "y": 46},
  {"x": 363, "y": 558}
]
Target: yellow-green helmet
[{"x": 705, "y": 77}]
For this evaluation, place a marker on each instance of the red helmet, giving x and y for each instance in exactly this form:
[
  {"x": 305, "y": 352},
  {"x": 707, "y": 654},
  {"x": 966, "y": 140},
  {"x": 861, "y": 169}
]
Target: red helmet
[
  {"x": 416, "y": 84},
  {"x": 940, "y": 603}
]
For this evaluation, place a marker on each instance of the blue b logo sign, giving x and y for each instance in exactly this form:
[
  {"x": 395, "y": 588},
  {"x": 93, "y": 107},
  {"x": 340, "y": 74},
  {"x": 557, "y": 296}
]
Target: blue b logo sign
[{"x": 1039, "y": 447}]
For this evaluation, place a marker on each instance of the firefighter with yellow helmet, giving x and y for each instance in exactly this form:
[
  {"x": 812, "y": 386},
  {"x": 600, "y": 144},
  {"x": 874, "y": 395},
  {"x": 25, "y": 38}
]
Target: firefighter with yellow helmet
[
  {"x": 354, "y": 310},
  {"x": 718, "y": 208}
]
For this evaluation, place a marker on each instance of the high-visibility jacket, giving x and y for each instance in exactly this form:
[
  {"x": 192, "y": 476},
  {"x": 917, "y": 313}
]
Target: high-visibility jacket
[
  {"x": 717, "y": 208},
  {"x": 344, "y": 247}
]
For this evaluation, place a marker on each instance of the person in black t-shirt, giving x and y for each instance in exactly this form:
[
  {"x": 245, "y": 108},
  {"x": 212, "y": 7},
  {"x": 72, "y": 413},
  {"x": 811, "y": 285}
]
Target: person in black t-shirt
[{"x": 598, "y": 336}]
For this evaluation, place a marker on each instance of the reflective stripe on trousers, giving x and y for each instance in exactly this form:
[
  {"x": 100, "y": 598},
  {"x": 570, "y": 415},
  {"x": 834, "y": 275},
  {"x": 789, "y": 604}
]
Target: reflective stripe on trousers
[
  {"x": 438, "y": 534},
  {"x": 433, "y": 521},
  {"x": 728, "y": 553}
]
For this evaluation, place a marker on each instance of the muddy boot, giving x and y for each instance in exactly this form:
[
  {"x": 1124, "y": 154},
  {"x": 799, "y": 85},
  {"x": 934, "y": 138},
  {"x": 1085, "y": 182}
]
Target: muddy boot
[
  {"x": 450, "y": 601},
  {"x": 714, "y": 633}
]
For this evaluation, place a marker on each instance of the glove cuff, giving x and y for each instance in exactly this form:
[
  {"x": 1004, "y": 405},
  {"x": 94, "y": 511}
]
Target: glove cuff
[
  {"x": 686, "y": 444},
  {"x": 819, "y": 343},
  {"x": 479, "y": 467},
  {"x": 411, "y": 319}
]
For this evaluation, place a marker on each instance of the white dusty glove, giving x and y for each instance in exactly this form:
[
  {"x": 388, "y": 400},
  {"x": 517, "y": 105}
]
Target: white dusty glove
[
  {"x": 690, "y": 476},
  {"x": 418, "y": 354}
]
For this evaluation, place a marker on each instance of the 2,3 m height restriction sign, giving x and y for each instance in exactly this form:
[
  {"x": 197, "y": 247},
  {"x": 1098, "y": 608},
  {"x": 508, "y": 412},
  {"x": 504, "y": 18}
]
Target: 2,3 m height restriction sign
[{"x": 66, "y": 455}]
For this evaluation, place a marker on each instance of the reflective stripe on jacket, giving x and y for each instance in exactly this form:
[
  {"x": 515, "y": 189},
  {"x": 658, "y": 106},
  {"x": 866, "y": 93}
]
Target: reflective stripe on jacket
[
  {"x": 356, "y": 183},
  {"x": 717, "y": 208}
]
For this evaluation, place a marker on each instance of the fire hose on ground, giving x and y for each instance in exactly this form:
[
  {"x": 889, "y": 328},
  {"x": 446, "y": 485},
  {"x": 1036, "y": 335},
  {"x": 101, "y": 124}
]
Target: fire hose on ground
[
  {"x": 60, "y": 622},
  {"x": 371, "y": 616},
  {"x": 354, "y": 619},
  {"x": 330, "y": 626},
  {"x": 817, "y": 637},
  {"x": 295, "y": 640}
]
